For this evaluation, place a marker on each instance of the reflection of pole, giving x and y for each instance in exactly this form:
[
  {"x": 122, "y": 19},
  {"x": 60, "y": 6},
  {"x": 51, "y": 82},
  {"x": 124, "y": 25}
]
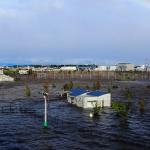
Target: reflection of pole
[{"x": 45, "y": 117}]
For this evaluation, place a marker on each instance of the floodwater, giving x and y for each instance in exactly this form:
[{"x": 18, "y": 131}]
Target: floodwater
[{"x": 70, "y": 128}]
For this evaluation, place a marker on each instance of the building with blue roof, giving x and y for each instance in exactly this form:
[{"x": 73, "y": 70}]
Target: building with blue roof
[
  {"x": 88, "y": 99},
  {"x": 77, "y": 91}
]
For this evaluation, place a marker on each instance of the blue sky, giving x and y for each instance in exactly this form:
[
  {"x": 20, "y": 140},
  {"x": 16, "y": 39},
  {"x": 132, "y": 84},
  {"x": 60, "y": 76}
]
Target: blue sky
[{"x": 74, "y": 31}]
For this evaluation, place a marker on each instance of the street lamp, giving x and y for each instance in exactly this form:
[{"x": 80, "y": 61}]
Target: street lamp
[{"x": 45, "y": 95}]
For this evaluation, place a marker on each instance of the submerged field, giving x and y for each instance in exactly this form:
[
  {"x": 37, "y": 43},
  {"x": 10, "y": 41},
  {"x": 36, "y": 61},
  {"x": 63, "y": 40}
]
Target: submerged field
[{"x": 21, "y": 120}]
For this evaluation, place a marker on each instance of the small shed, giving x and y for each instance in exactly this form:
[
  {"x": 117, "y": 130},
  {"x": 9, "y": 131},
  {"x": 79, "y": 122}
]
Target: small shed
[{"x": 89, "y": 99}]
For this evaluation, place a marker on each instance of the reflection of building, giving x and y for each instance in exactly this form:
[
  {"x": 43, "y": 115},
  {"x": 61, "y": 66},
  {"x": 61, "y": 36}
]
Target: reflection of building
[
  {"x": 4, "y": 78},
  {"x": 125, "y": 67},
  {"x": 88, "y": 99}
]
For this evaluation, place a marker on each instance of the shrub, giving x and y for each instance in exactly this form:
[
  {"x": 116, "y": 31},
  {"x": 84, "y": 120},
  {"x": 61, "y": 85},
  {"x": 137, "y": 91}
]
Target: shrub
[
  {"x": 70, "y": 84},
  {"x": 148, "y": 86},
  {"x": 66, "y": 87},
  {"x": 53, "y": 85},
  {"x": 45, "y": 87},
  {"x": 11, "y": 72},
  {"x": 96, "y": 110},
  {"x": 30, "y": 72},
  {"x": 98, "y": 86},
  {"x": 17, "y": 79},
  {"x": 120, "y": 108},
  {"x": 87, "y": 87},
  {"x": 128, "y": 93},
  {"x": 94, "y": 87},
  {"x": 109, "y": 90},
  {"x": 142, "y": 105},
  {"x": 27, "y": 91},
  {"x": 115, "y": 86}
]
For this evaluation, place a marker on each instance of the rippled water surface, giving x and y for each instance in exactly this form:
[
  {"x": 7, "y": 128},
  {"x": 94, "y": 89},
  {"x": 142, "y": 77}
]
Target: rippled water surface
[{"x": 70, "y": 128}]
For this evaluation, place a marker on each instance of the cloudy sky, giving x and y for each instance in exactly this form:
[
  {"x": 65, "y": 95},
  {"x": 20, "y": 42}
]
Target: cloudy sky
[{"x": 74, "y": 31}]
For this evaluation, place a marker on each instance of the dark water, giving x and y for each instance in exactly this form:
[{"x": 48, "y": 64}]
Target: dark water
[{"x": 71, "y": 128}]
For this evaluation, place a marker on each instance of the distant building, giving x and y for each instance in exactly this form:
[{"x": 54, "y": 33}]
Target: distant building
[
  {"x": 101, "y": 68},
  {"x": 68, "y": 68},
  {"x": 23, "y": 72},
  {"x": 1, "y": 72},
  {"x": 112, "y": 68},
  {"x": 88, "y": 99},
  {"x": 4, "y": 78},
  {"x": 141, "y": 68},
  {"x": 42, "y": 75},
  {"x": 125, "y": 67}
]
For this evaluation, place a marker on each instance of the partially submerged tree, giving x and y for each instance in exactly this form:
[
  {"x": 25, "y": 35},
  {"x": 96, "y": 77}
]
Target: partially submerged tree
[
  {"x": 120, "y": 108},
  {"x": 27, "y": 91},
  {"x": 94, "y": 87},
  {"x": 96, "y": 110},
  {"x": 87, "y": 87},
  {"x": 46, "y": 87},
  {"x": 68, "y": 86},
  {"x": 71, "y": 84},
  {"x": 142, "y": 105},
  {"x": 98, "y": 86},
  {"x": 128, "y": 93}
]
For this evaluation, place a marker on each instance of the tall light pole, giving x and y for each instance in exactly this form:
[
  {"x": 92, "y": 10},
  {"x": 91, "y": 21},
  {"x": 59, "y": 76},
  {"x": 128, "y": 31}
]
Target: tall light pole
[{"x": 45, "y": 110}]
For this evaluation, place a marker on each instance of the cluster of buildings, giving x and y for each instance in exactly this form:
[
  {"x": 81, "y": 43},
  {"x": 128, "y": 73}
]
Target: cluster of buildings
[
  {"x": 4, "y": 77},
  {"x": 25, "y": 70},
  {"x": 88, "y": 99},
  {"x": 118, "y": 67}
]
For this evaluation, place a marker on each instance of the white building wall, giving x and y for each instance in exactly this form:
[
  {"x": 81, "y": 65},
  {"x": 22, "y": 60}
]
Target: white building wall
[
  {"x": 4, "y": 78},
  {"x": 86, "y": 101},
  {"x": 1, "y": 72},
  {"x": 23, "y": 71},
  {"x": 67, "y": 68},
  {"x": 101, "y": 68},
  {"x": 112, "y": 68}
]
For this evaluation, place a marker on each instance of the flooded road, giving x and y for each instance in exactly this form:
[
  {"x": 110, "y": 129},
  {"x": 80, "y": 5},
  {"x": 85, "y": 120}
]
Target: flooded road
[{"x": 21, "y": 128}]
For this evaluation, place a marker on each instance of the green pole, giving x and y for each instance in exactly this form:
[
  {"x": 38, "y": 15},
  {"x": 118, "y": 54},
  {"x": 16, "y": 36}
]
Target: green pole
[{"x": 45, "y": 115}]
